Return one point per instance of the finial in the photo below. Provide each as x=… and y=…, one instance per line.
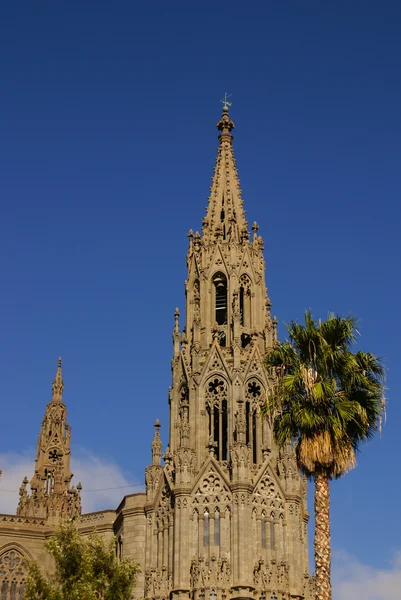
x=58, y=383
x=157, y=424
x=225, y=125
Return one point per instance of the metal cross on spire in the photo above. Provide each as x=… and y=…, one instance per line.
x=225, y=101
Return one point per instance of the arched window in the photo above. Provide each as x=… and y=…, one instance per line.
x=217, y=527
x=220, y=286
x=12, y=571
x=216, y=407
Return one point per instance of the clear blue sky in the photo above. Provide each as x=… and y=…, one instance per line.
x=107, y=147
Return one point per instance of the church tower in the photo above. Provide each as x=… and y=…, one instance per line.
x=51, y=495
x=226, y=514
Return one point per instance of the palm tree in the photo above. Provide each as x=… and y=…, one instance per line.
x=325, y=401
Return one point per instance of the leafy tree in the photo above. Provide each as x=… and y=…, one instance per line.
x=86, y=568
x=325, y=401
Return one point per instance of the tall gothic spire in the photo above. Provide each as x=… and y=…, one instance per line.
x=51, y=495
x=225, y=216
x=226, y=514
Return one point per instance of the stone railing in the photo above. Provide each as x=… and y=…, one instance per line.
x=17, y=520
x=92, y=517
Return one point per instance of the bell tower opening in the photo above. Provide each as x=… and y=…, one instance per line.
x=220, y=286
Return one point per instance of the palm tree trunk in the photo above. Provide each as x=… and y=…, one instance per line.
x=322, y=537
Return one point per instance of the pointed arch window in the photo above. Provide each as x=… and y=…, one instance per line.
x=13, y=573
x=217, y=411
x=220, y=287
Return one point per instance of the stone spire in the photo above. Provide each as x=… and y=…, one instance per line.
x=224, y=517
x=225, y=216
x=51, y=495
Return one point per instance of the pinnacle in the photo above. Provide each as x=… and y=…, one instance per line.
x=58, y=383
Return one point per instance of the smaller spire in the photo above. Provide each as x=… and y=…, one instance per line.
x=156, y=445
x=58, y=383
x=176, y=333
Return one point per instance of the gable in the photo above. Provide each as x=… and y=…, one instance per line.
x=211, y=486
x=268, y=493
x=215, y=363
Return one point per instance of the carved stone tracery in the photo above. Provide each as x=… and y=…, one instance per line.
x=13, y=568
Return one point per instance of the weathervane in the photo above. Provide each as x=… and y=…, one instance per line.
x=225, y=101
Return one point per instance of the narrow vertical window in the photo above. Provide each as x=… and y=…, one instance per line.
x=241, y=304
x=120, y=547
x=13, y=594
x=247, y=413
x=210, y=420
x=272, y=536
x=220, y=283
x=254, y=440
x=224, y=418
x=4, y=590
x=216, y=427
x=217, y=528
x=247, y=308
x=206, y=528
x=263, y=532
x=21, y=590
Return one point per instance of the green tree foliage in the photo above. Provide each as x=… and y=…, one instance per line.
x=326, y=400
x=86, y=568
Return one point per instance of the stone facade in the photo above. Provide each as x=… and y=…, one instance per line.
x=224, y=515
